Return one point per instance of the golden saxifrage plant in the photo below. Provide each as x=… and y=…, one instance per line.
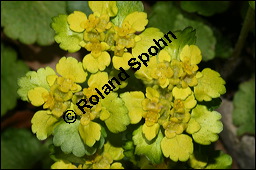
x=135, y=107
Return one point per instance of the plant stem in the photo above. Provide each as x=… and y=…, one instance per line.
x=231, y=64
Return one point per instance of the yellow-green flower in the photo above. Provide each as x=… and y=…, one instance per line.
x=61, y=89
x=184, y=101
x=94, y=64
x=152, y=107
x=125, y=37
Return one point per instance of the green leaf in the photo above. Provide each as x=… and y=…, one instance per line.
x=205, y=39
x=204, y=8
x=34, y=79
x=125, y=8
x=68, y=39
x=115, y=152
x=118, y=119
x=219, y=160
x=210, y=85
x=199, y=158
x=57, y=155
x=177, y=148
x=252, y=4
x=11, y=69
x=152, y=149
x=78, y=6
x=210, y=125
x=184, y=37
x=67, y=137
x=244, y=108
x=159, y=13
x=29, y=21
x=43, y=123
x=20, y=149
x=204, y=35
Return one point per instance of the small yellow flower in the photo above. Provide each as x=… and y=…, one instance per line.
x=93, y=64
x=122, y=61
x=75, y=21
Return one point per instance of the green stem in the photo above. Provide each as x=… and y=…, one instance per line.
x=234, y=60
x=244, y=32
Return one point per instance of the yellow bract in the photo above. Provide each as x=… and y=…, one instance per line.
x=137, y=20
x=103, y=7
x=93, y=64
x=36, y=96
x=192, y=52
x=71, y=68
x=122, y=61
x=75, y=19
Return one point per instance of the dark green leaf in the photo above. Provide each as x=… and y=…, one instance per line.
x=78, y=6
x=211, y=105
x=204, y=34
x=29, y=21
x=57, y=154
x=219, y=160
x=206, y=8
x=11, y=70
x=158, y=18
x=20, y=149
x=244, y=108
x=186, y=36
x=176, y=20
x=252, y=4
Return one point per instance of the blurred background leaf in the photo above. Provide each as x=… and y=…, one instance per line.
x=205, y=8
x=78, y=6
x=21, y=150
x=244, y=108
x=11, y=70
x=178, y=21
x=29, y=21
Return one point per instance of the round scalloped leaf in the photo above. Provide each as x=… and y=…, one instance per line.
x=29, y=21
x=210, y=125
x=244, y=108
x=178, y=148
x=43, y=123
x=11, y=70
x=66, y=135
x=68, y=39
x=34, y=79
x=210, y=85
x=152, y=149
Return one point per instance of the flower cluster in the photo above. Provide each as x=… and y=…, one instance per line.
x=166, y=116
